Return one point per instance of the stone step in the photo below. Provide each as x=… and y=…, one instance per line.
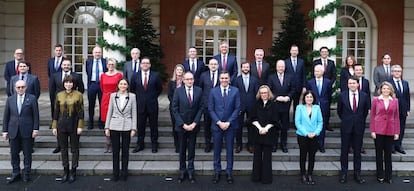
x=170, y=168
x=92, y=154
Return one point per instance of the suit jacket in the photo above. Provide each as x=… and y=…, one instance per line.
x=365, y=87
x=9, y=72
x=305, y=124
x=122, y=117
x=384, y=121
x=200, y=69
x=299, y=75
x=32, y=84
x=89, y=65
x=224, y=111
x=353, y=122
x=147, y=99
x=323, y=99
x=206, y=85
x=51, y=66
x=264, y=114
x=128, y=70
x=380, y=76
x=184, y=112
x=172, y=86
x=343, y=79
x=265, y=72
x=403, y=97
x=57, y=83
x=247, y=98
x=26, y=121
x=286, y=90
x=231, y=65
x=330, y=72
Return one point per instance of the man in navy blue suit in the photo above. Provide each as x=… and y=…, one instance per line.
x=20, y=126
x=260, y=68
x=296, y=67
x=54, y=66
x=402, y=91
x=32, y=81
x=224, y=107
x=147, y=85
x=94, y=68
x=353, y=106
x=282, y=86
x=322, y=88
x=208, y=80
x=248, y=86
x=328, y=64
x=10, y=69
x=227, y=61
x=194, y=65
x=187, y=107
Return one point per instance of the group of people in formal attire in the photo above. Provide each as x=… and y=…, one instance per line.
x=257, y=99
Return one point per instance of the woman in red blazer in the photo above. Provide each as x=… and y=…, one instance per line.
x=385, y=127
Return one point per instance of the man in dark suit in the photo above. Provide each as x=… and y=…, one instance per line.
x=194, y=65
x=32, y=81
x=248, y=86
x=282, y=86
x=322, y=88
x=296, y=67
x=133, y=66
x=224, y=107
x=11, y=69
x=187, y=108
x=54, y=66
x=94, y=68
x=260, y=68
x=353, y=106
x=402, y=92
x=208, y=80
x=147, y=85
x=227, y=61
x=328, y=64
x=57, y=85
x=20, y=126
x=382, y=72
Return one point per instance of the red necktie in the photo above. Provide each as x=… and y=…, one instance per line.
x=17, y=69
x=145, y=81
x=354, y=104
x=259, y=69
x=224, y=64
x=325, y=65
x=189, y=97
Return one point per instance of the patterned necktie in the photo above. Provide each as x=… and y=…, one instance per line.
x=259, y=69
x=325, y=65
x=224, y=63
x=145, y=80
x=319, y=86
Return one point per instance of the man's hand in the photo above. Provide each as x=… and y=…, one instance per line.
x=79, y=131
x=34, y=134
x=6, y=136
x=54, y=132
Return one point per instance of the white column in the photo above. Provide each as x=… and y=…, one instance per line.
x=114, y=38
x=322, y=24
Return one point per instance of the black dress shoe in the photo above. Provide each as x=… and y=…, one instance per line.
x=274, y=149
x=229, y=179
x=13, y=178
x=380, y=180
x=115, y=178
x=304, y=179
x=207, y=149
x=322, y=150
x=57, y=149
x=238, y=149
x=284, y=149
x=26, y=178
x=342, y=178
x=154, y=150
x=191, y=178
x=137, y=149
x=359, y=180
x=388, y=181
x=400, y=150
x=311, y=181
x=393, y=151
x=90, y=126
x=250, y=149
x=216, y=178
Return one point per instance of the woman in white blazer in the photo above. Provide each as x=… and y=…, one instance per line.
x=308, y=121
x=121, y=123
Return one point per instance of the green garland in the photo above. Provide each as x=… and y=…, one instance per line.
x=103, y=43
x=332, y=32
x=329, y=8
x=332, y=51
x=111, y=9
x=104, y=26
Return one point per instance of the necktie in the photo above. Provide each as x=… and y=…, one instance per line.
x=212, y=79
x=319, y=86
x=190, y=101
x=325, y=65
x=135, y=66
x=281, y=79
x=56, y=64
x=399, y=86
x=19, y=103
x=354, y=104
x=96, y=71
x=22, y=77
x=193, y=67
x=224, y=63
x=17, y=69
x=259, y=69
x=224, y=96
x=145, y=80
x=246, y=83
x=388, y=71
x=294, y=65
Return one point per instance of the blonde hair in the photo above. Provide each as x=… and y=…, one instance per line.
x=392, y=92
x=174, y=75
x=268, y=90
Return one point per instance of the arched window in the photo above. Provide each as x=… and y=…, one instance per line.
x=213, y=23
x=355, y=35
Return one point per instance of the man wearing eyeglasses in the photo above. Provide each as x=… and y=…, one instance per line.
x=20, y=126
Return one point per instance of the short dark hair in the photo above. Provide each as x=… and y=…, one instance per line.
x=68, y=78
x=23, y=62
x=313, y=95
x=323, y=47
x=58, y=45
x=353, y=78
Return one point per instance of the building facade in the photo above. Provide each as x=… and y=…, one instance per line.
x=370, y=29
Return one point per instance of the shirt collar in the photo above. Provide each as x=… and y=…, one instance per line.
x=382, y=97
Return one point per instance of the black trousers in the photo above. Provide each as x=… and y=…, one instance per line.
x=307, y=149
x=383, y=149
x=153, y=123
x=174, y=133
x=207, y=128
x=120, y=140
x=16, y=145
x=74, y=148
x=282, y=131
x=94, y=90
x=262, y=163
x=348, y=140
x=398, y=143
x=187, y=141
x=239, y=131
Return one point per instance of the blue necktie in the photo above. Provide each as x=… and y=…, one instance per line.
x=97, y=71
x=319, y=87
x=193, y=67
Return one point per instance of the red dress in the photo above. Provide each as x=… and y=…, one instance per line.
x=108, y=85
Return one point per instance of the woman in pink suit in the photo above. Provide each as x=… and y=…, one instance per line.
x=109, y=81
x=385, y=128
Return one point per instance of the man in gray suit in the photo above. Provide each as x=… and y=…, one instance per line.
x=32, y=82
x=20, y=126
x=259, y=68
x=382, y=72
x=131, y=67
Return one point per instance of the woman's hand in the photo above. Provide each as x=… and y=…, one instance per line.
x=396, y=136
x=107, y=133
x=79, y=131
x=133, y=132
x=54, y=132
x=373, y=135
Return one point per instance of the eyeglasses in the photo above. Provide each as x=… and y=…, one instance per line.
x=20, y=87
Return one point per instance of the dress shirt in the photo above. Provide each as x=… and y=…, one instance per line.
x=143, y=76
x=94, y=77
x=398, y=84
x=351, y=98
